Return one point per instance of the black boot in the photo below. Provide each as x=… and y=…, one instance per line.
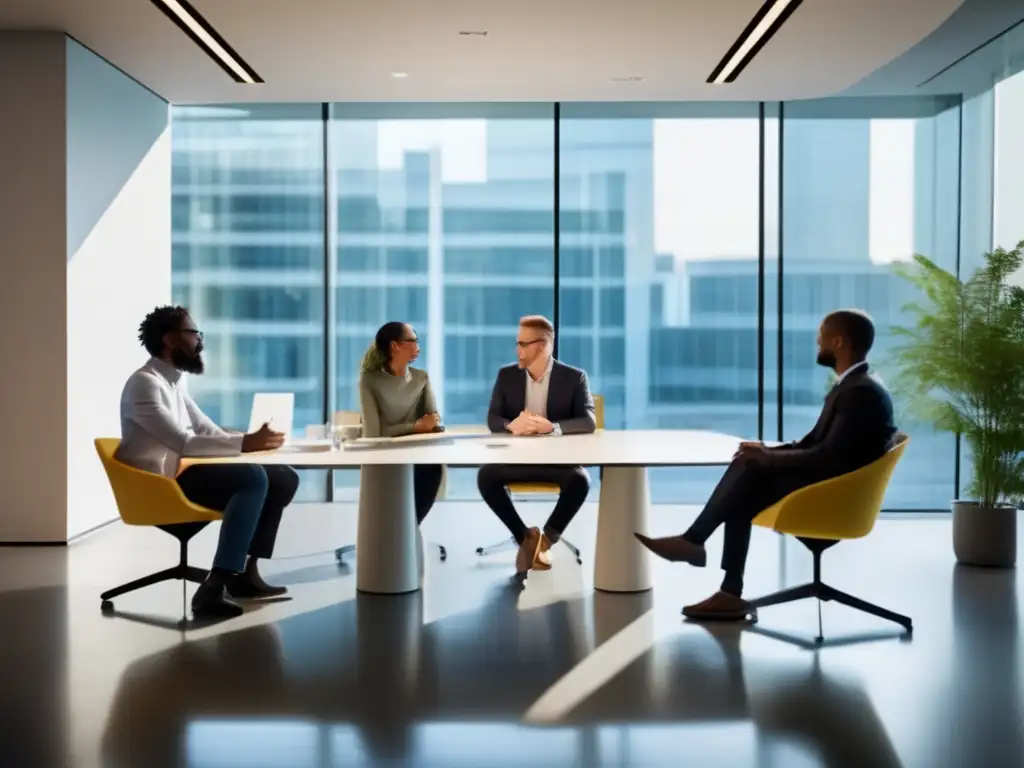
x=249, y=585
x=211, y=601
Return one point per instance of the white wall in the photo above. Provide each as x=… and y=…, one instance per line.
x=33, y=471
x=85, y=249
x=118, y=258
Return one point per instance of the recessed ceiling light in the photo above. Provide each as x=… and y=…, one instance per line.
x=629, y=79
x=206, y=37
x=399, y=75
x=766, y=22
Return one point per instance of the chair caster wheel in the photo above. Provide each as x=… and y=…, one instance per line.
x=480, y=550
x=444, y=554
x=107, y=606
x=579, y=561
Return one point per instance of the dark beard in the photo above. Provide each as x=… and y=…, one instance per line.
x=188, y=363
x=827, y=360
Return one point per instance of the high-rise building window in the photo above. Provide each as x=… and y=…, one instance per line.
x=866, y=185
x=445, y=220
x=443, y=216
x=659, y=228
x=248, y=255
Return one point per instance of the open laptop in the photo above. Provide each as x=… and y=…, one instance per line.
x=274, y=408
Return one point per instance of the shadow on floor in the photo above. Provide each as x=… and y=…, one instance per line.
x=382, y=683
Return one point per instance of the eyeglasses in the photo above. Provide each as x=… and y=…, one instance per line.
x=194, y=332
x=526, y=344
x=413, y=340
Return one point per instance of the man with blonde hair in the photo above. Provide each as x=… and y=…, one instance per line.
x=538, y=396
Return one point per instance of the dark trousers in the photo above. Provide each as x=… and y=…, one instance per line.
x=426, y=480
x=744, y=491
x=252, y=499
x=573, y=483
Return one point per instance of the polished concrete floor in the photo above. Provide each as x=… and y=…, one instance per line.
x=475, y=672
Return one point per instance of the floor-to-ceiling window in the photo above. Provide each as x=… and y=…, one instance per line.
x=443, y=218
x=866, y=185
x=248, y=255
x=675, y=223
x=659, y=249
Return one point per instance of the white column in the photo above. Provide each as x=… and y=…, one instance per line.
x=86, y=243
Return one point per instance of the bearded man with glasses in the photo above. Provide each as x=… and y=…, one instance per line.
x=161, y=425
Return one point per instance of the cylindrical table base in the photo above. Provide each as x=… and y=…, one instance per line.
x=621, y=564
x=387, y=552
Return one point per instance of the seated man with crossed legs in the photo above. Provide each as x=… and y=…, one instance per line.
x=854, y=429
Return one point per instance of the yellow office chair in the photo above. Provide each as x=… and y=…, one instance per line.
x=528, y=488
x=823, y=514
x=146, y=498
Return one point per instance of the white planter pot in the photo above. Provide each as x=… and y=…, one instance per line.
x=985, y=536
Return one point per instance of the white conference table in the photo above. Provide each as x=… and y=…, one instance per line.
x=387, y=542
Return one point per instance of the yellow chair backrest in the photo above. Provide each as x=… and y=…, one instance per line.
x=146, y=498
x=843, y=507
x=599, y=411
x=519, y=487
x=551, y=487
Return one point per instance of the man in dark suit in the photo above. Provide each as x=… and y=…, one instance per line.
x=539, y=396
x=853, y=430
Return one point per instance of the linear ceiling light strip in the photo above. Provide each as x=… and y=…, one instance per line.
x=207, y=38
x=766, y=22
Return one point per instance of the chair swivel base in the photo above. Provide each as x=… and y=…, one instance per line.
x=826, y=593
x=511, y=543
x=180, y=572
x=183, y=532
x=348, y=549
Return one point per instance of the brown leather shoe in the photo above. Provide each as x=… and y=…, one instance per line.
x=542, y=560
x=528, y=550
x=675, y=548
x=721, y=606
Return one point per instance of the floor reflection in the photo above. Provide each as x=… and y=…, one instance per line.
x=366, y=682
x=475, y=672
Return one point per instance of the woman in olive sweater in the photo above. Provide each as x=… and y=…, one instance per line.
x=396, y=399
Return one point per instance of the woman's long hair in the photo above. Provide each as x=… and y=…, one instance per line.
x=378, y=354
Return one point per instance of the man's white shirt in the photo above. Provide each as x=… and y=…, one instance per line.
x=161, y=424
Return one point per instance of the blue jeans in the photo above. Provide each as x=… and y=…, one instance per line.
x=237, y=490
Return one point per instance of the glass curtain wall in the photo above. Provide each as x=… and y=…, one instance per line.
x=248, y=256
x=684, y=234
x=443, y=218
x=659, y=257
x=867, y=183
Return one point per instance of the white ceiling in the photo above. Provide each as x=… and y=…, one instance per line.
x=535, y=50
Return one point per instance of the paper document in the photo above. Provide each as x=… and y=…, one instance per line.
x=274, y=408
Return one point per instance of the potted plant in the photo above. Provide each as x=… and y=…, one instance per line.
x=959, y=366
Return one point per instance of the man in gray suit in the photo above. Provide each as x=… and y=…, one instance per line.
x=539, y=396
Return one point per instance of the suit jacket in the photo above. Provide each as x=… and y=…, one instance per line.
x=570, y=404
x=854, y=429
